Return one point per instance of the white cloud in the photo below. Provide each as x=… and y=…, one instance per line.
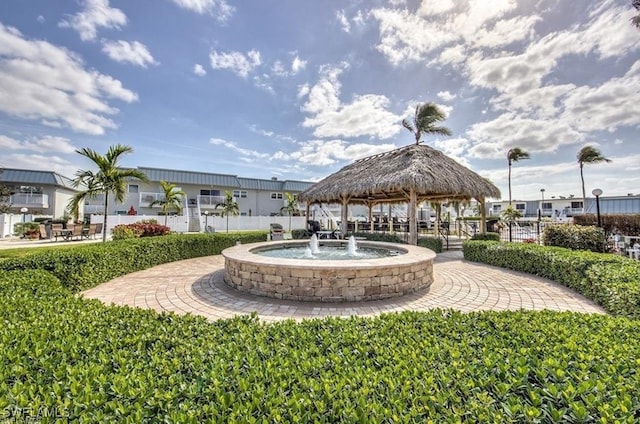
x=365, y=115
x=323, y=153
x=40, y=162
x=236, y=62
x=446, y=96
x=298, y=65
x=242, y=151
x=44, y=144
x=343, y=20
x=40, y=19
x=135, y=52
x=199, y=70
x=40, y=81
x=95, y=14
x=218, y=8
x=303, y=90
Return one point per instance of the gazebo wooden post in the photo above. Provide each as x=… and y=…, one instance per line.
x=413, y=230
x=345, y=216
x=307, y=211
x=483, y=215
x=390, y=219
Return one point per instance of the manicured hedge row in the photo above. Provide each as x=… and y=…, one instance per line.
x=610, y=280
x=433, y=243
x=576, y=237
x=86, y=266
x=88, y=362
x=486, y=236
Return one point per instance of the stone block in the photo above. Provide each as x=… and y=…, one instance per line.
x=273, y=279
x=302, y=291
x=302, y=273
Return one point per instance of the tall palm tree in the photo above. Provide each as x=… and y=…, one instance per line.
x=424, y=121
x=108, y=179
x=515, y=155
x=290, y=207
x=172, y=199
x=228, y=207
x=588, y=154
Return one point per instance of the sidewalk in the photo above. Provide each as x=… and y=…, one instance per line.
x=15, y=242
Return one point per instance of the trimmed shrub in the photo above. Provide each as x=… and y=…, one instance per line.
x=89, y=362
x=610, y=280
x=86, y=266
x=486, y=236
x=576, y=237
x=385, y=237
x=299, y=233
x=139, y=229
x=433, y=243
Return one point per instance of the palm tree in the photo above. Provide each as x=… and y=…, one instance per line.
x=588, y=154
x=424, y=120
x=290, y=207
x=109, y=179
x=636, y=19
x=229, y=207
x=172, y=199
x=514, y=155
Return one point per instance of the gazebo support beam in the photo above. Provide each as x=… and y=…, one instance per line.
x=483, y=215
x=345, y=216
x=413, y=230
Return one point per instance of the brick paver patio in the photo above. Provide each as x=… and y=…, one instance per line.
x=196, y=286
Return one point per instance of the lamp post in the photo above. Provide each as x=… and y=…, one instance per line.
x=206, y=221
x=24, y=211
x=542, y=203
x=597, y=192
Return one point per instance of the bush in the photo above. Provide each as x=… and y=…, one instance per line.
x=386, y=237
x=611, y=281
x=486, y=236
x=433, y=243
x=146, y=228
x=576, y=237
x=94, y=363
x=299, y=233
x=89, y=265
x=612, y=223
x=26, y=229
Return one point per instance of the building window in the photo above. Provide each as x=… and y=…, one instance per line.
x=520, y=206
x=209, y=192
x=497, y=208
x=240, y=193
x=547, y=206
x=576, y=205
x=276, y=195
x=133, y=188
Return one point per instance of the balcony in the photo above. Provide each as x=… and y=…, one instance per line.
x=28, y=200
x=210, y=202
x=93, y=209
x=146, y=198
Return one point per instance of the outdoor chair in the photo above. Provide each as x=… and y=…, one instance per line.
x=43, y=232
x=277, y=232
x=56, y=231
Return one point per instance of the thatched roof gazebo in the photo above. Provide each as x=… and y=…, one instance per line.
x=410, y=174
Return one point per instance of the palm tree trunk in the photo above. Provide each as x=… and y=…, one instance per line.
x=509, y=183
x=584, y=194
x=227, y=223
x=104, y=220
x=289, y=221
x=165, y=218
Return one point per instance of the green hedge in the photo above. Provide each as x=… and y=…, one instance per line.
x=89, y=265
x=433, y=243
x=610, y=280
x=576, y=237
x=486, y=236
x=87, y=362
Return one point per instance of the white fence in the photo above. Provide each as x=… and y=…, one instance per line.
x=180, y=224
x=7, y=221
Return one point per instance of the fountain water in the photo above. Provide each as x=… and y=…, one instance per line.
x=313, y=245
x=308, y=253
x=352, y=246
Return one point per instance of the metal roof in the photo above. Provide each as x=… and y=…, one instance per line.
x=296, y=185
x=190, y=177
x=26, y=176
x=258, y=184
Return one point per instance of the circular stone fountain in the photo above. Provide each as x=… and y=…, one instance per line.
x=401, y=270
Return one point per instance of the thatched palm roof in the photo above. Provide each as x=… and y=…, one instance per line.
x=389, y=177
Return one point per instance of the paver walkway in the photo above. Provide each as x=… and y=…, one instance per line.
x=196, y=286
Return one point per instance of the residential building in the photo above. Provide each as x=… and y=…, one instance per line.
x=40, y=192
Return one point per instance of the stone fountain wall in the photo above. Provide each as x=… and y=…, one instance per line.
x=330, y=281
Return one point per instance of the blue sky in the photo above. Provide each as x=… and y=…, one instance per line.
x=297, y=89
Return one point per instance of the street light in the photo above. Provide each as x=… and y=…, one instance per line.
x=24, y=211
x=597, y=192
x=206, y=221
x=542, y=203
